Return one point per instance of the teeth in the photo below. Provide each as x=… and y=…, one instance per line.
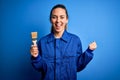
x=58, y=24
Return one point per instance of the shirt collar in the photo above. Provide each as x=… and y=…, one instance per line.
x=50, y=37
x=65, y=37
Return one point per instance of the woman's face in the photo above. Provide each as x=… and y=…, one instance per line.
x=59, y=20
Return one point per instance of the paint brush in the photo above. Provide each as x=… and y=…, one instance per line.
x=34, y=38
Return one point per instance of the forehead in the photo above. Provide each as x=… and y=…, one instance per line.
x=59, y=11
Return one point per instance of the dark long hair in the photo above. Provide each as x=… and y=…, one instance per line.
x=58, y=6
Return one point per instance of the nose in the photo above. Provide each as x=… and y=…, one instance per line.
x=58, y=20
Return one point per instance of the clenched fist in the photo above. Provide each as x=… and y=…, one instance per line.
x=34, y=51
x=92, y=46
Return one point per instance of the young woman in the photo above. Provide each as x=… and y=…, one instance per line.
x=58, y=55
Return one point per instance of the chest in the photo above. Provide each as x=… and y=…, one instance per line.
x=59, y=49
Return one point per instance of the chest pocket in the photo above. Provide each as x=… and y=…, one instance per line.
x=70, y=54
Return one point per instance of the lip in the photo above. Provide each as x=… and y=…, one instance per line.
x=57, y=27
x=58, y=24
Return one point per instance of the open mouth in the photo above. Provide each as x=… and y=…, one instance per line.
x=58, y=24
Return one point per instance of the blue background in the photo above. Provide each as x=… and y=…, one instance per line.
x=91, y=20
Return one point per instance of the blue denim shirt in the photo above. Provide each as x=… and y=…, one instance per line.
x=61, y=59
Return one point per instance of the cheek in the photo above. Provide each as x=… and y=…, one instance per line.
x=52, y=21
x=65, y=21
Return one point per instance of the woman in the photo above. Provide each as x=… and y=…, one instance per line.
x=59, y=55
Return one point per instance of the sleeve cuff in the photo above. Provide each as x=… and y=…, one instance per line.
x=89, y=50
x=35, y=58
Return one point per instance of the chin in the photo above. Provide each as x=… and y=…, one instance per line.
x=58, y=31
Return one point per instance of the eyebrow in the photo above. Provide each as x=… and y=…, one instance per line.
x=56, y=15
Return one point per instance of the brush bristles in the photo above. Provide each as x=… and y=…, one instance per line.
x=34, y=35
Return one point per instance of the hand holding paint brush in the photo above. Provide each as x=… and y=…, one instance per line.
x=34, y=49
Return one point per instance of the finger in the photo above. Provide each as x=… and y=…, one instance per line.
x=93, y=45
x=34, y=51
x=93, y=42
x=33, y=45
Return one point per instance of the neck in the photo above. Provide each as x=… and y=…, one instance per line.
x=58, y=34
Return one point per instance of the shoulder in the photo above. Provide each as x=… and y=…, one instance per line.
x=45, y=38
x=74, y=36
